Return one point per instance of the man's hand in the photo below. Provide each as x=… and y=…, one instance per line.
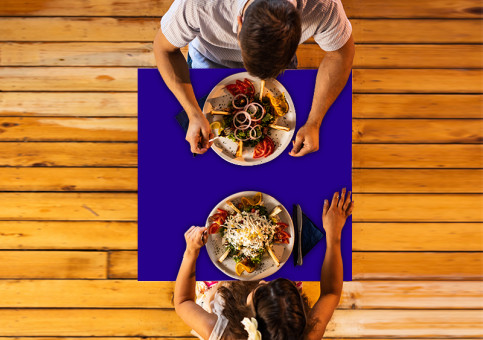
x=306, y=141
x=335, y=214
x=195, y=239
x=199, y=133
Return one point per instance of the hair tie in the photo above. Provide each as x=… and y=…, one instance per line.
x=251, y=326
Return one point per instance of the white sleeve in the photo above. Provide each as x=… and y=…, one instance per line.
x=180, y=25
x=335, y=29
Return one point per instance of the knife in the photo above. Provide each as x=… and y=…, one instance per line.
x=299, y=231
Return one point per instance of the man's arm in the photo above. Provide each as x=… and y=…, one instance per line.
x=173, y=68
x=331, y=277
x=184, y=291
x=332, y=75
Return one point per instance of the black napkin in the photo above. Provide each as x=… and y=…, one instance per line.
x=311, y=235
x=182, y=117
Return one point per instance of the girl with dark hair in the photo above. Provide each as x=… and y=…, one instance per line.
x=263, y=310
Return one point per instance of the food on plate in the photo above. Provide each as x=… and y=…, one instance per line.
x=249, y=117
x=248, y=231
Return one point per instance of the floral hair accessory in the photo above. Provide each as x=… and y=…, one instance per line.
x=251, y=326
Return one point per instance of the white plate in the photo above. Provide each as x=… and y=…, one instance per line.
x=267, y=267
x=219, y=98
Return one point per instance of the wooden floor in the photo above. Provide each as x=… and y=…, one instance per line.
x=68, y=177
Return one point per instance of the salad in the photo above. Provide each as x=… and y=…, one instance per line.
x=249, y=118
x=248, y=231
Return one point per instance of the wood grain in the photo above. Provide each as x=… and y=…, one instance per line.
x=417, y=81
x=52, y=265
x=309, y=55
x=417, y=106
x=417, y=181
x=148, y=322
x=134, y=294
x=68, y=129
x=68, y=104
x=125, y=79
x=398, y=56
x=418, y=265
x=68, y=206
x=353, y=8
x=67, y=79
x=417, y=237
x=68, y=179
x=417, y=156
x=454, y=131
x=365, y=265
x=62, y=235
x=69, y=154
x=418, y=208
x=109, y=29
x=125, y=104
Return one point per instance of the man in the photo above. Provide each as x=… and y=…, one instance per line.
x=261, y=36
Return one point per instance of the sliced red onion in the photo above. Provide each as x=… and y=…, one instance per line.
x=255, y=110
x=235, y=98
x=253, y=132
x=242, y=124
x=238, y=138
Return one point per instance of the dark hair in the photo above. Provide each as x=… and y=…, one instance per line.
x=269, y=37
x=280, y=310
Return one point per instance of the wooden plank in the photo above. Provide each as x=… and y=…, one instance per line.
x=417, y=181
x=417, y=81
x=353, y=8
x=52, y=265
x=418, y=208
x=67, y=235
x=68, y=104
x=77, y=54
x=416, y=266
x=68, y=179
x=417, y=237
x=67, y=79
x=366, y=266
x=397, y=56
x=417, y=156
x=122, y=207
x=125, y=130
x=417, y=131
x=414, y=31
x=79, y=29
x=378, y=31
x=68, y=129
x=148, y=322
x=135, y=294
x=123, y=265
x=69, y=154
x=125, y=104
x=417, y=106
x=309, y=55
x=68, y=206
x=125, y=79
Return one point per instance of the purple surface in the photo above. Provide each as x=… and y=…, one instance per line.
x=177, y=190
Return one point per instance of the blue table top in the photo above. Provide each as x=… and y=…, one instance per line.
x=177, y=190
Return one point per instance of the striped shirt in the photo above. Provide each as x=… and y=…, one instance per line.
x=210, y=28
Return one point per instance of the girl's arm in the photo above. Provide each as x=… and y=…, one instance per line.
x=184, y=291
x=331, y=277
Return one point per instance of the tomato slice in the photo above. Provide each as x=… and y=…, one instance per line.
x=260, y=149
x=283, y=234
x=251, y=88
x=232, y=88
x=213, y=228
x=223, y=213
x=270, y=146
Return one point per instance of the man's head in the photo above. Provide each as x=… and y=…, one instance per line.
x=269, y=36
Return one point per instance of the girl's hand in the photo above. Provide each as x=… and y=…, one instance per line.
x=195, y=239
x=335, y=214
